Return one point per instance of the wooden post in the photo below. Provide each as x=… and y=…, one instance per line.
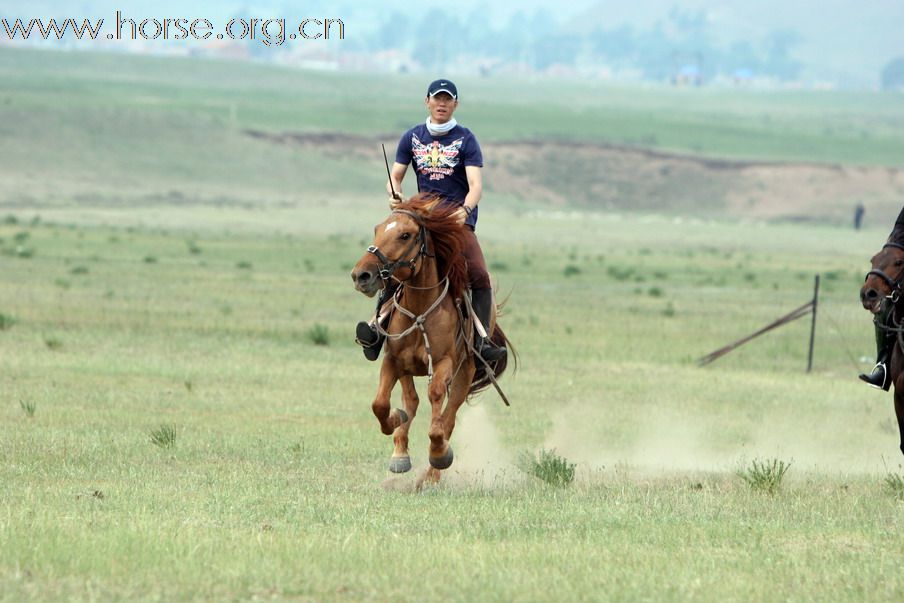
x=813, y=323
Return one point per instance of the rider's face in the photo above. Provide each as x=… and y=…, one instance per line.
x=441, y=106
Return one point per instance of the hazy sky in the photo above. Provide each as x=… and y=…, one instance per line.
x=850, y=40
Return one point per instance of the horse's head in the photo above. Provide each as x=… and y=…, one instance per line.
x=884, y=278
x=399, y=241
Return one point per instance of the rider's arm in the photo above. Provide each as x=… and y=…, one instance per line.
x=475, y=186
x=396, y=177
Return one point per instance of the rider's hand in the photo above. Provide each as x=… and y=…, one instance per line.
x=395, y=200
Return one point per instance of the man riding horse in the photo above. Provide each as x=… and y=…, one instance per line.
x=447, y=161
x=885, y=337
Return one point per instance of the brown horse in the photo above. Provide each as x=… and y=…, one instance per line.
x=882, y=295
x=429, y=332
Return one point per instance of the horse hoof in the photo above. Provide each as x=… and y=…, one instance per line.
x=443, y=462
x=400, y=464
x=403, y=417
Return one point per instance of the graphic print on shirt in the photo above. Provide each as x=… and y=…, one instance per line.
x=433, y=159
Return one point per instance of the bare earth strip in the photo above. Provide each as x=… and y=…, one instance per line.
x=629, y=178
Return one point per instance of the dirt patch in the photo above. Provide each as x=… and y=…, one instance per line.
x=626, y=178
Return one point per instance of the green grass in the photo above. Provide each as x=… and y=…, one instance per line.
x=276, y=486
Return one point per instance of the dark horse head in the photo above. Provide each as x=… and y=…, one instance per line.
x=884, y=280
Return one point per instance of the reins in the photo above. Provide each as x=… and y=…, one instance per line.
x=417, y=322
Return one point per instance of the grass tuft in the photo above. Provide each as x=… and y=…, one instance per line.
x=6, y=322
x=894, y=485
x=319, y=335
x=571, y=270
x=164, y=436
x=29, y=407
x=764, y=476
x=549, y=467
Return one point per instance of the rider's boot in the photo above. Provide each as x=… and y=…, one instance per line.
x=366, y=334
x=482, y=300
x=367, y=337
x=885, y=341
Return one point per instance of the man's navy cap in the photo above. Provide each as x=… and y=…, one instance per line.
x=442, y=86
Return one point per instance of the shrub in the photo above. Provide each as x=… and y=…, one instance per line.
x=6, y=321
x=163, y=436
x=571, y=270
x=894, y=484
x=765, y=476
x=29, y=407
x=319, y=335
x=548, y=467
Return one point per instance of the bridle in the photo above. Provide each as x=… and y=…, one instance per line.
x=388, y=268
x=894, y=285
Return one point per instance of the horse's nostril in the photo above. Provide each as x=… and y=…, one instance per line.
x=872, y=294
x=365, y=277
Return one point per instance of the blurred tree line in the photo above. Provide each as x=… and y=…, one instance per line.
x=537, y=41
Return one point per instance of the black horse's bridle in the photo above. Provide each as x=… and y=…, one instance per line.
x=893, y=284
x=387, y=268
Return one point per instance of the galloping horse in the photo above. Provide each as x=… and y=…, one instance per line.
x=430, y=331
x=884, y=285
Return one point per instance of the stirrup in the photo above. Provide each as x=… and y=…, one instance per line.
x=490, y=352
x=878, y=378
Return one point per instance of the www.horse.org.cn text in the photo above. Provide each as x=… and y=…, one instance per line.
x=269, y=32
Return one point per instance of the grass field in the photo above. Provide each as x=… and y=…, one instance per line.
x=127, y=311
x=275, y=484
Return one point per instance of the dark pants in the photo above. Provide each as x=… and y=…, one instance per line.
x=477, y=266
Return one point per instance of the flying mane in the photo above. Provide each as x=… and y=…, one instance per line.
x=447, y=238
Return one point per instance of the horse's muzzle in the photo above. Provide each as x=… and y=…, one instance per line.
x=870, y=298
x=366, y=280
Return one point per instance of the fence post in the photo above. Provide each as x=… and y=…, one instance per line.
x=813, y=323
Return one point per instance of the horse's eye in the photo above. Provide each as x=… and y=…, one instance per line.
x=405, y=236
x=899, y=262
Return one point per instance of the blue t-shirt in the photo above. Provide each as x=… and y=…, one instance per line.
x=439, y=162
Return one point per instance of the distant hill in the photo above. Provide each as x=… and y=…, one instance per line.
x=98, y=130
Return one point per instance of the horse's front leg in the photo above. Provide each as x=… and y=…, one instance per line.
x=401, y=461
x=440, y=451
x=458, y=393
x=389, y=421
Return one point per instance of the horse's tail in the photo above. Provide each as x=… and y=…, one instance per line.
x=481, y=380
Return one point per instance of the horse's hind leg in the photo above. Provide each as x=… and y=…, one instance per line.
x=401, y=461
x=389, y=421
